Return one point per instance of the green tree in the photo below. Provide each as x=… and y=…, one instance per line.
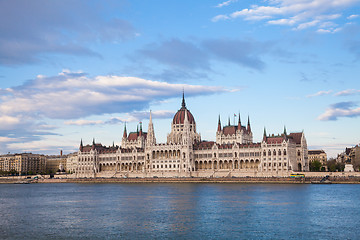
x=315, y=166
x=331, y=164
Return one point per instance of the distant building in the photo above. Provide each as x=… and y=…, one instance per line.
x=355, y=156
x=23, y=163
x=318, y=155
x=55, y=162
x=350, y=156
x=71, y=162
x=185, y=154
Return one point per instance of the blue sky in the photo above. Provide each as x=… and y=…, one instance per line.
x=72, y=70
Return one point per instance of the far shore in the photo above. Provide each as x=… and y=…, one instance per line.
x=254, y=180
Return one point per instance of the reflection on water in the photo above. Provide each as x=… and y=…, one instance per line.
x=179, y=211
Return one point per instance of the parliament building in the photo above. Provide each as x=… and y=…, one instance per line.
x=233, y=154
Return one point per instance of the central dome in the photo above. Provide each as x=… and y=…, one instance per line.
x=179, y=117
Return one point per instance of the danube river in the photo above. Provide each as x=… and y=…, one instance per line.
x=179, y=211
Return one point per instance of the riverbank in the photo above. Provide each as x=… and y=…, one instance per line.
x=272, y=180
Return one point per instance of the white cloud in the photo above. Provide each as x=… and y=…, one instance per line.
x=130, y=117
x=70, y=96
x=301, y=14
x=352, y=16
x=226, y=3
x=320, y=93
x=7, y=139
x=219, y=17
x=342, y=109
x=347, y=92
x=334, y=113
x=83, y=122
x=7, y=122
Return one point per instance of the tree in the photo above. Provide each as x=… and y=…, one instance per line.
x=315, y=166
x=331, y=164
x=334, y=166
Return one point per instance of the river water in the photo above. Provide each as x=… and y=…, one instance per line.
x=179, y=211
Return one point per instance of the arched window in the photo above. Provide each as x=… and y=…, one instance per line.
x=264, y=153
x=269, y=153
x=279, y=152
x=284, y=152
x=274, y=153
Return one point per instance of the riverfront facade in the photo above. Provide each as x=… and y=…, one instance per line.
x=185, y=155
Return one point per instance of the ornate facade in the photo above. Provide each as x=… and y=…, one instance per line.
x=185, y=155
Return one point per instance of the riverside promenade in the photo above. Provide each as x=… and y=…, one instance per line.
x=335, y=178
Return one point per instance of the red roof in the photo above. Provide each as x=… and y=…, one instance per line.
x=274, y=140
x=230, y=130
x=134, y=135
x=296, y=137
x=179, y=117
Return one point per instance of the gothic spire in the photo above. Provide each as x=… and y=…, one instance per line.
x=264, y=137
x=150, y=120
x=248, y=125
x=219, y=125
x=150, y=138
x=239, y=123
x=229, y=122
x=285, y=131
x=125, y=132
x=140, y=129
x=81, y=145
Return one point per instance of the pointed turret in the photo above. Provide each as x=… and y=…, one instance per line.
x=150, y=138
x=137, y=130
x=125, y=132
x=264, y=137
x=285, y=134
x=140, y=133
x=248, y=125
x=219, y=125
x=81, y=146
x=113, y=144
x=239, y=123
x=229, y=122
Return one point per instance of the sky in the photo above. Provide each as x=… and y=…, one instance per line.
x=72, y=70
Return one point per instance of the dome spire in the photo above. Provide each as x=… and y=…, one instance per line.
x=183, y=105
